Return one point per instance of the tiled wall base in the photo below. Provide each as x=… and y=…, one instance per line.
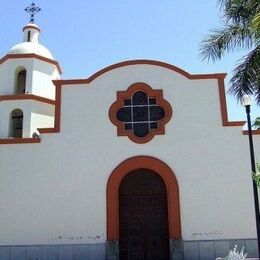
x=54, y=252
x=210, y=249
x=180, y=250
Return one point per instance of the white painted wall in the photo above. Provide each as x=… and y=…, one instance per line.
x=8, y=72
x=39, y=77
x=34, y=35
x=56, y=189
x=42, y=77
x=42, y=116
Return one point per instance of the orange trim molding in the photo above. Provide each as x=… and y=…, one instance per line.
x=172, y=188
x=60, y=83
x=27, y=96
x=57, y=108
x=160, y=101
x=223, y=106
x=254, y=132
x=46, y=130
x=141, y=62
x=19, y=140
x=219, y=76
x=31, y=55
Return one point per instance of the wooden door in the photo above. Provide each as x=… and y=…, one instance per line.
x=143, y=217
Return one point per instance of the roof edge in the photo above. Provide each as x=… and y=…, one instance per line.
x=31, y=55
x=141, y=62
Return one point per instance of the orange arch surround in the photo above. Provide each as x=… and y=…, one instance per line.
x=172, y=188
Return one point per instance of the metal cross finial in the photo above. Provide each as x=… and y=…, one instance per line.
x=32, y=9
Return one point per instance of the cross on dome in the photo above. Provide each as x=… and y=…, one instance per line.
x=32, y=9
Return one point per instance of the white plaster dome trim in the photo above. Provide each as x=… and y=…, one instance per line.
x=31, y=47
x=32, y=26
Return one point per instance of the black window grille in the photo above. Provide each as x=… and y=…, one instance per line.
x=18, y=122
x=140, y=114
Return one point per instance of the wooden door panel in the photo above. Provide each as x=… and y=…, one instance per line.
x=143, y=217
x=156, y=226
x=143, y=227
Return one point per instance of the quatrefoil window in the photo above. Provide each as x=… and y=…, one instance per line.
x=140, y=113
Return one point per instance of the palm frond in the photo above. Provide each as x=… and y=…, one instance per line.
x=256, y=123
x=256, y=26
x=239, y=12
x=257, y=92
x=228, y=39
x=246, y=76
x=241, y=31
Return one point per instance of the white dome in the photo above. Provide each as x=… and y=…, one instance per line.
x=31, y=47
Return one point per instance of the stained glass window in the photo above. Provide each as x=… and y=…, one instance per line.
x=139, y=112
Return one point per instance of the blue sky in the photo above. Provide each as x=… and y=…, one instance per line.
x=87, y=35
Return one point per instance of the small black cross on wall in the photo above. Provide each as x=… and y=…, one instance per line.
x=32, y=10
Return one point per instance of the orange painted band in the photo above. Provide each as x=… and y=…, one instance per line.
x=141, y=62
x=46, y=130
x=27, y=96
x=254, y=132
x=223, y=106
x=31, y=55
x=19, y=140
x=57, y=108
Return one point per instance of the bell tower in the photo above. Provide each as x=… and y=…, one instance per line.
x=27, y=93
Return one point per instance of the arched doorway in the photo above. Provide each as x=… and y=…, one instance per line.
x=143, y=217
x=113, y=194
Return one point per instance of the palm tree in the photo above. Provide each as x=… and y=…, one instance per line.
x=256, y=123
x=241, y=31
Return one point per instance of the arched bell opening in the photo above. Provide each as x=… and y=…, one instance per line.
x=16, y=124
x=20, y=82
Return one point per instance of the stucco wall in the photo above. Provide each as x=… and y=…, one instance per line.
x=8, y=72
x=42, y=116
x=39, y=76
x=43, y=75
x=55, y=192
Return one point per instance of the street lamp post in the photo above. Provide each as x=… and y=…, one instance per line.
x=246, y=102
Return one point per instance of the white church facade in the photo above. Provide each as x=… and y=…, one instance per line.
x=138, y=161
